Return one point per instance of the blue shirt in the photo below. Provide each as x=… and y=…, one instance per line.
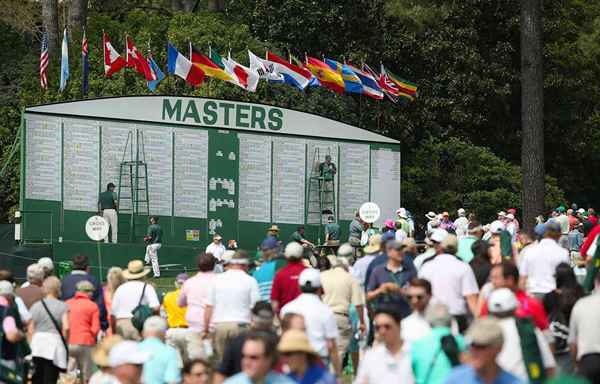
x=264, y=276
x=163, y=365
x=465, y=374
x=381, y=274
x=272, y=378
x=313, y=375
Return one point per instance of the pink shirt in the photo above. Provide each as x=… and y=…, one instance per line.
x=8, y=325
x=195, y=295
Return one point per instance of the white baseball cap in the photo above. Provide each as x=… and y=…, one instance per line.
x=510, y=216
x=6, y=288
x=310, y=276
x=438, y=235
x=294, y=250
x=581, y=210
x=402, y=213
x=127, y=352
x=345, y=250
x=461, y=211
x=497, y=226
x=501, y=213
x=502, y=300
x=46, y=263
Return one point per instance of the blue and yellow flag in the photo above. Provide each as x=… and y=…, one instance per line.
x=352, y=83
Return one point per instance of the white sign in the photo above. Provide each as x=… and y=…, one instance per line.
x=96, y=227
x=369, y=212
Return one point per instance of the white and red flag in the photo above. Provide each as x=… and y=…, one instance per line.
x=113, y=62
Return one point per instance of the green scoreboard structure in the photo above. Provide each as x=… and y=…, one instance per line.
x=213, y=166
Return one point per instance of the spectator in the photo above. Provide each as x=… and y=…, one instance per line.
x=302, y=360
x=128, y=296
x=32, y=293
x=262, y=320
x=163, y=364
x=388, y=361
x=538, y=266
x=461, y=224
x=114, y=278
x=481, y=263
x=216, y=248
x=292, y=321
x=525, y=352
x=197, y=372
x=446, y=223
x=259, y=357
x=506, y=275
x=100, y=357
x=49, y=324
x=126, y=360
x=230, y=301
x=453, y=282
x=373, y=249
x=321, y=327
x=195, y=295
x=10, y=353
x=178, y=327
x=21, y=310
x=465, y=244
x=415, y=326
x=47, y=265
x=386, y=281
x=84, y=325
x=434, y=247
x=271, y=264
x=434, y=355
x=81, y=271
x=485, y=343
x=285, y=284
x=584, y=334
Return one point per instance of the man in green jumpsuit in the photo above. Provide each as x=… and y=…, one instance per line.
x=107, y=208
x=154, y=240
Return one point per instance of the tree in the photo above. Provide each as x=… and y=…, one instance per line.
x=78, y=15
x=532, y=111
x=216, y=5
x=50, y=22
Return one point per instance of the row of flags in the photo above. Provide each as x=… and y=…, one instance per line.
x=195, y=67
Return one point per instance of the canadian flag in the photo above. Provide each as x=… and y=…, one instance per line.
x=243, y=76
x=113, y=62
x=136, y=60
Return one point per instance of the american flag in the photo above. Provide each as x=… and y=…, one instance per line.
x=44, y=61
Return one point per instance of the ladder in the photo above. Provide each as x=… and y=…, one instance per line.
x=323, y=202
x=133, y=195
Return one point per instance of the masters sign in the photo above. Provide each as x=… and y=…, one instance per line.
x=222, y=113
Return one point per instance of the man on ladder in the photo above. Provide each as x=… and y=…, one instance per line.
x=327, y=169
x=107, y=208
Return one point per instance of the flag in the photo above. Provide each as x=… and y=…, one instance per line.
x=158, y=75
x=135, y=59
x=387, y=86
x=314, y=82
x=180, y=65
x=243, y=76
x=207, y=65
x=352, y=83
x=64, y=62
x=113, y=62
x=44, y=61
x=328, y=77
x=85, y=71
x=264, y=68
x=292, y=74
x=216, y=58
x=405, y=88
x=370, y=87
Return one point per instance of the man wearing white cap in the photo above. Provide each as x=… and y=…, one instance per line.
x=461, y=223
x=126, y=361
x=321, y=327
x=434, y=240
x=433, y=221
x=216, y=248
x=230, y=301
x=525, y=353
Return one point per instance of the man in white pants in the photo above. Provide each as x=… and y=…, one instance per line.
x=107, y=207
x=154, y=240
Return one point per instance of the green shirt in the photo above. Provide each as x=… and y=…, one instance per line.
x=327, y=171
x=464, y=248
x=107, y=200
x=297, y=237
x=333, y=229
x=155, y=233
x=427, y=355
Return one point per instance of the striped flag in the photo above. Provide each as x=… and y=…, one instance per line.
x=85, y=64
x=44, y=61
x=64, y=62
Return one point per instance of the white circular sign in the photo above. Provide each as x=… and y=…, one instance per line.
x=369, y=212
x=96, y=227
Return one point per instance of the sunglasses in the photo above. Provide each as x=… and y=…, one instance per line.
x=252, y=357
x=416, y=297
x=385, y=327
x=478, y=346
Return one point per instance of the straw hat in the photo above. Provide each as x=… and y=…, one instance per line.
x=135, y=270
x=374, y=245
x=273, y=228
x=100, y=353
x=295, y=340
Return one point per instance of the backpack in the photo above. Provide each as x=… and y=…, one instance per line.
x=141, y=313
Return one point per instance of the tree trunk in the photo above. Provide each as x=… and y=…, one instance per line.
x=216, y=5
x=50, y=22
x=183, y=5
x=532, y=112
x=78, y=16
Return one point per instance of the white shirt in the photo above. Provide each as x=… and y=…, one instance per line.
x=359, y=269
x=583, y=329
x=127, y=298
x=232, y=296
x=379, y=366
x=22, y=308
x=400, y=235
x=217, y=250
x=451, y=280
x=414, y=327
x=318, y=318
x=511, y=356
x=462, y=225
x=539, y=265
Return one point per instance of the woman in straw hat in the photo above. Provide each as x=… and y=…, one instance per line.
x=302, y=360
x=100, y=358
